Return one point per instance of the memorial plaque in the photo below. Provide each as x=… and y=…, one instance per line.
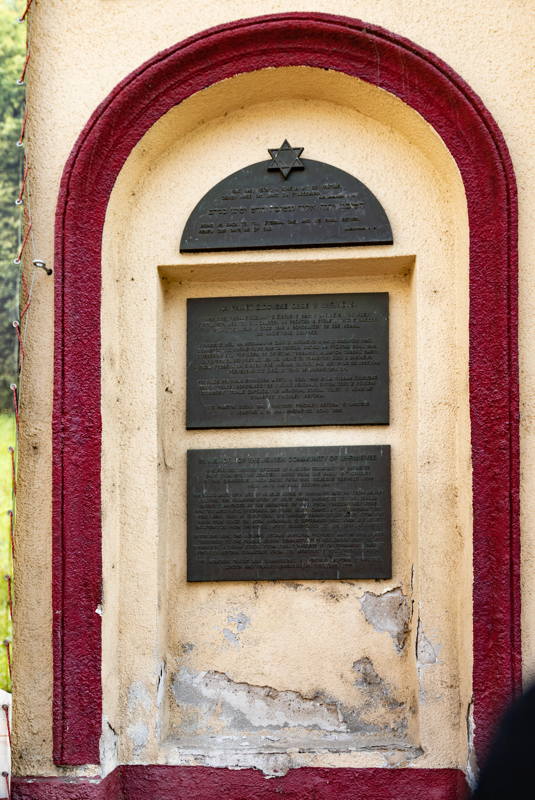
x=290, y=513
x=286, y=202
x=318, y=359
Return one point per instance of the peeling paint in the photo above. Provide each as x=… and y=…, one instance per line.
x=272, y=765
x=251, y=706
x=230, y=637
x=426, y=656
x=389, y=612
x=426, y=653
x=471, y=761
x=241, y=621
x=221, y=720
x=378, y=691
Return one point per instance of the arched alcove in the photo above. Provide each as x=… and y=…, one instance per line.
x=146, y=283
x=178, y=140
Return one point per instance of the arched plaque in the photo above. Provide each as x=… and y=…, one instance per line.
x=286, y=202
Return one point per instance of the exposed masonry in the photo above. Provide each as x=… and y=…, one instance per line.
x=226, y=723
x=389, y=612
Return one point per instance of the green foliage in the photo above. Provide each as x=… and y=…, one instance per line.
x=12, y=46
x=12, y=49
x=7, y=439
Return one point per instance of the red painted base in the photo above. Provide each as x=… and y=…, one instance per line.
x=203, y=783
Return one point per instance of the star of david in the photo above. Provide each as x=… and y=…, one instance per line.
x=286, y=158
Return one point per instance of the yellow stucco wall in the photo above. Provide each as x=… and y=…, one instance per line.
x=80, y=50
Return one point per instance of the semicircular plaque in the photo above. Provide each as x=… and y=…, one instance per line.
x=286, y=202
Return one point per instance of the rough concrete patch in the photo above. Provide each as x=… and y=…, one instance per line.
x=390, y=613
x=223, y=723
x=247, y=707
x=214, y=708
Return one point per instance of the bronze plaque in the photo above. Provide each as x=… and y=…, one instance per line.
x=286, y=202
x=289, y=513
x=318, y=359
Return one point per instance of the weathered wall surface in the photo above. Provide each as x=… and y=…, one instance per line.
x=253, y=670
x=79, y=52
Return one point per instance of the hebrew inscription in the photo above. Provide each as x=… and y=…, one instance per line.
x=292, y=513
x=289, y=206
x=256, y=208
x=287, y=360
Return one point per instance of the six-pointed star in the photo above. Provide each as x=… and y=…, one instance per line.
x=286, y=158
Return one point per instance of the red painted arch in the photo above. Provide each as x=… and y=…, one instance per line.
x=422, y=81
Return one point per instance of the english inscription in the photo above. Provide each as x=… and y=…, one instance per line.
x=292, y=513
x=287, y=360
x=285, y=206
x=256, y=208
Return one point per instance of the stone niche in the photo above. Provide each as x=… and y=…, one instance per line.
x=279, y=674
